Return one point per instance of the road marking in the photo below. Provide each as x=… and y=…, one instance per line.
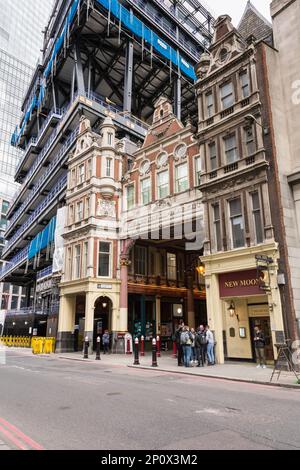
x=12, y=438
x=11, y=429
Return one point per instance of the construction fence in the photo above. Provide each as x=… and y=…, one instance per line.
x=38, y=345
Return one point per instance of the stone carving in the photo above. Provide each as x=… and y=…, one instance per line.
x=106, y=208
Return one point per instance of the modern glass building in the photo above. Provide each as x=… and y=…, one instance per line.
x=21, y=38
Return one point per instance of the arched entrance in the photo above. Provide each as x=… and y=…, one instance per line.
x=102, y=318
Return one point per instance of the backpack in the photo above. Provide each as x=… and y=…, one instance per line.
x=202, y=339
x=186, y=338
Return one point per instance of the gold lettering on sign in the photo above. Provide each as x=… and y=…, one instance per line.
x=241, y=283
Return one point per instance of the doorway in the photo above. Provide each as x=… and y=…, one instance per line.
x=102, y=319
x=264, y=324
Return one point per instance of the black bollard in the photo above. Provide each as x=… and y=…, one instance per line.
x=154, y=353
x=98, y=358
x=86, y=348
x=136, y=352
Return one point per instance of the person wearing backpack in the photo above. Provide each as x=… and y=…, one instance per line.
x=201, y=346
x=186, y=340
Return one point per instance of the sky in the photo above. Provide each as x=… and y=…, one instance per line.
x=235, y=8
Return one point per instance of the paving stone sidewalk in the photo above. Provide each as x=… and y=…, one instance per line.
x=233, y=371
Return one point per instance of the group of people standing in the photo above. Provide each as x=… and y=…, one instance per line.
x=195, y=347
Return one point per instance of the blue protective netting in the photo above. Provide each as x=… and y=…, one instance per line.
x=43, y=239
x=132, y=23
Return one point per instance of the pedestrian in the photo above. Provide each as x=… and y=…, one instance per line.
x=178, y=343
x=186, y=340
x=194, y=352
x=210, y=346
x=201, y=346
x=260, y=344
x=105, y=342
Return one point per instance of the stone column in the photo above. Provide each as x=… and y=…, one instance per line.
x=215, y=314
x=124, y=263
x=66, y=323
x=190, y=301
x=89, y=319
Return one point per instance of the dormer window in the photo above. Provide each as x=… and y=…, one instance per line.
x=161, y=113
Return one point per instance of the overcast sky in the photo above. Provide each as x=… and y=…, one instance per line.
x=235, y=8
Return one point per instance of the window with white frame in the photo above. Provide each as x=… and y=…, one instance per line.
x=104, y=259
x=209, y=104
x=130, y=197
x=249, y=140
x=110, y=138
x=146, y=191
x=109, y=167
x=81, y=174
x=237, y=223
x=71, y=214
x=87, y=208
x=73, y=178
x=85, y=259
x=217, y=226
x=69, y=263
x=171, y=266
x=89, y=169
x=198, y=169
x=257, y=219
x=140, y=260
x=163, y=188
x=213, y=164
x=231, y=151
x=181, y=182
x=227, y=95
x=77, y=261
x=245, y=84
x=79, y=211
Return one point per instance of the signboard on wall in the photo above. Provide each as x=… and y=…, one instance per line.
x=237, y=284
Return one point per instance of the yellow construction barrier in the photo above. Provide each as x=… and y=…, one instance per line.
x=43, y=345
x=39, y=345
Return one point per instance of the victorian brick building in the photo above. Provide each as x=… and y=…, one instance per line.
x=133, y=233
x=249, y=264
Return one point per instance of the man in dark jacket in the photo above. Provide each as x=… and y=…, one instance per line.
x=201, y=346
x=260, y=344
x=178, y=343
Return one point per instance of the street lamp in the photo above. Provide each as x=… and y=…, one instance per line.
x=249, y=118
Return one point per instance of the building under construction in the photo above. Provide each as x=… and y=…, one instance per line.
x=101, y=58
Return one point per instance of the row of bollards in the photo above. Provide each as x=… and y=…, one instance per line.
x=137, y=352
x=86, y=348
x=155, y=351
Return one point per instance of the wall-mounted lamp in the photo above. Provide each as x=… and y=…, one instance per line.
x=104, y=304
x=179, y=310
x=232, y=311
x=201, y=269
